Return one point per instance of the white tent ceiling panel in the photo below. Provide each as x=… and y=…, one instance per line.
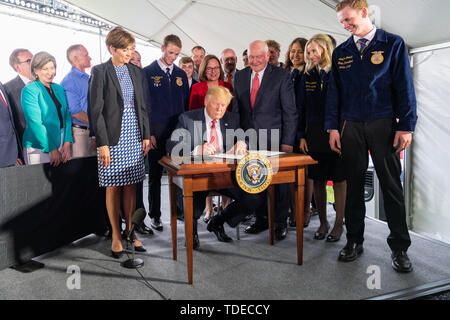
x=216, y=24
x=140, y=18
x=419, y=22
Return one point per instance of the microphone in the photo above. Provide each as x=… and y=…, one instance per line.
x=138, y=217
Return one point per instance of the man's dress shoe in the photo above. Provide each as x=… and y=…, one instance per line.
x=350, y=252
x=143, y=229
x=218, y=231
x=281, y=233
x=156, y=224
x=401, y=262
x=196, y=242
x=256, y=228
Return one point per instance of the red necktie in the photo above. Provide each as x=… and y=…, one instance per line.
x=214, y=136
x=3, y=101
x=255, y=89
x=229, y=79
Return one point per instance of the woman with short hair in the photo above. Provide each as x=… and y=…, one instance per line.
x=119, y=118
x=48, y=133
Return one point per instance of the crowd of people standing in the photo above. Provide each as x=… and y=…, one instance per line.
x=335, y=104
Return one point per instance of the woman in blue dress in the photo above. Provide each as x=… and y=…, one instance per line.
x=118, y=115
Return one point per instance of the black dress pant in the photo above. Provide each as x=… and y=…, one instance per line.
x=244, y=204
x=154, y=180
x=282, y=205
x=377, y=137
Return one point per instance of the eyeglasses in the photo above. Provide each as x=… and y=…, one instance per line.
x=209, y=69
x=26, y=61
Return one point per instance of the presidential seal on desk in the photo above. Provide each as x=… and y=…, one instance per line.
x=254, y=174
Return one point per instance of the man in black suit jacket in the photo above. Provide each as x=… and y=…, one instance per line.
x=20, y=61
x=10, y=153
x=205, y=132
x=265, y=100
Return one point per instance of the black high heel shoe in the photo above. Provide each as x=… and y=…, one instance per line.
x=306, y=223
x=117, y=255
x=137, y=249
x=332, y=238
x=321, y=236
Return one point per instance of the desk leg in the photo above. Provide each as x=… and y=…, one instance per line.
x=189, y=225
x=173, y=214
x=300, y=208
x=271, y=213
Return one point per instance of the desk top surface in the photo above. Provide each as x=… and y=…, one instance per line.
x=188, y=166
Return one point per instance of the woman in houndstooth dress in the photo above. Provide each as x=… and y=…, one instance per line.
x=118, y=116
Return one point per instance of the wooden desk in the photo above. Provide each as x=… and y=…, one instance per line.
x=221, y=175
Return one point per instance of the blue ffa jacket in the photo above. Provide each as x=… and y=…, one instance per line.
x=375, y=85
x=312, y=95
x=168, y=99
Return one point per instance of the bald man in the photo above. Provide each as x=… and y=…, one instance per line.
x=228, y=59
x=265, y=100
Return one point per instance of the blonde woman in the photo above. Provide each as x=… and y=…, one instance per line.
x=314, y=139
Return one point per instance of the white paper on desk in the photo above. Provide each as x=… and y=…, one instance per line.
x=263, y=153
x=268, y=154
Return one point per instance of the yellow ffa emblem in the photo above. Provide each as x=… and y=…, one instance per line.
x=254, y=174
x=157, y=81
x=179, y=82
x=377, y=57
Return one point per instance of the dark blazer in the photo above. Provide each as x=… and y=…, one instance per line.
x=192, y=131
x=106, y=103
x=275, y=107
x=9, y=144
x=13, y=89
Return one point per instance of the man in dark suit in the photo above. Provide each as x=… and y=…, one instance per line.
x=9, y=144
x=265, y=100
x=228, y=59
x=20, y=61
x=205, y=132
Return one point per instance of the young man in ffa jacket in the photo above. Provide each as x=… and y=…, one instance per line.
x=371, y=106
x=169, y=94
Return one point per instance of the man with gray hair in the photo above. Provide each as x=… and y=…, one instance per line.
x=265, y=100
x=228, y=60
x=76, y=84
x=20, y=61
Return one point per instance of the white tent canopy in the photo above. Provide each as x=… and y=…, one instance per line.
x=216, y=24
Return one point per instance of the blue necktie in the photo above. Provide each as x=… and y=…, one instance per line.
x=363, y=44
x=168, y=74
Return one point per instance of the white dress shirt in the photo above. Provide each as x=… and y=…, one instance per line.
x=209, y=120
x=164, y=67
x=260, y=75
x=368, y=36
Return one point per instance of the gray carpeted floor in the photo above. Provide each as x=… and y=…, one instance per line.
x=245, y=269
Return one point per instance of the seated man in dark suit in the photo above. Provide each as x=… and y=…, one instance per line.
x=203, y=132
